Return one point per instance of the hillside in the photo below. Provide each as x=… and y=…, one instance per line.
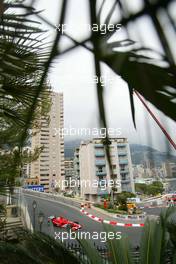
x=139, y=153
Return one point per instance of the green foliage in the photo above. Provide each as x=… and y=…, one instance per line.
x=120, y=250
x=35, y=248
x=150, y=189
x=2, y=216
x=149, y=79
x=90, y=251
x=123, y=207
x=121, y=198
x=140, y=187
x=47, y=249
x=23, y=56
x=11, y=163
x=156, y=240
x=10, y=253
x=144, y=70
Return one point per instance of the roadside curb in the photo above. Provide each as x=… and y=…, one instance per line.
x=118, y=216
x=114, y=223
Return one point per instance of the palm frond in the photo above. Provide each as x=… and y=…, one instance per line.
x=90, y=251
x=47, y=249
x=23, y=56
x=119, y=249
x=155, y=82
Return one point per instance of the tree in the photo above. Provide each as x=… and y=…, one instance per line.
x=140, y=187
x=154, y=189
x=150, y=189
x=23, y=57
x=121, y=198
x=22, y=99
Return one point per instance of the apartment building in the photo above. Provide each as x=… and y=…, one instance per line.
x=169, y=169
x=76, y=171
x=96, y=176
x=26, y=170
x=69, y=174
x=49, y=167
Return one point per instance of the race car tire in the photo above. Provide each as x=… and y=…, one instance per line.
x=68, y=227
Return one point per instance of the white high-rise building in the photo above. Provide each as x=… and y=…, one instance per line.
x=96, y=177
x=49, y=167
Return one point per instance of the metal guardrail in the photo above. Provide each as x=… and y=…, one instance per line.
x=132, y=217
x=78, y=251
x=22, y=204
x=59, y=198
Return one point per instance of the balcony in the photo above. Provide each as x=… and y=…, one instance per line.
x=123, y=161
x=125, y=181
x=121, y=145
x=98, y=145
x=124, y=171
x=100, y=162
x=99, y=154
x=122, y=153
x=100, y=173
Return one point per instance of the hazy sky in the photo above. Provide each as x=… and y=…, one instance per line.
x=73, y=74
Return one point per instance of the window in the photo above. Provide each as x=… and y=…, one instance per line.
x=100, y=169
x=44, y=130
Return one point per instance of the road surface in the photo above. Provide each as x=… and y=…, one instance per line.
x=88, y=225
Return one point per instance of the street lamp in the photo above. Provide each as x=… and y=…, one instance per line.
x=41, y=217
x=34, y=205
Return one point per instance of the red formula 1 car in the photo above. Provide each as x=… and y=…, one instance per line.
x=64, y=223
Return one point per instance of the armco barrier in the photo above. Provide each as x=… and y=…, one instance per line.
x=135, y=217
x=56, y=197
x=22, y=204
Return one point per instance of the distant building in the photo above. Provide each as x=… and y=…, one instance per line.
x=148, y=162
x=95, y=173
x=69, y=174
x=169, y=169
x=49, y=167
x=31, y=181
x=138, y=171
x=77, y=170
x=141, y=172
x=26, y=170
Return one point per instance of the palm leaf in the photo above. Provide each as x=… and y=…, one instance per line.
x=155, y=241
x=90, y=251
x=14, y=254
x=120, y=251
x=156, y=83
x=23, y=56
x=47, y=249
